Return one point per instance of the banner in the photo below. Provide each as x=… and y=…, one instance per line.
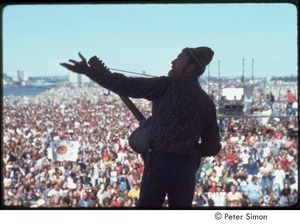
x=63, y=150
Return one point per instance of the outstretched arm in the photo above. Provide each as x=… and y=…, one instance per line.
x=148, y=88
x=99, y=74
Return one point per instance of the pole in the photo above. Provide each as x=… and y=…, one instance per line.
x=252, y=71
x=219, y=86
x=243, y=72
x=252, y=96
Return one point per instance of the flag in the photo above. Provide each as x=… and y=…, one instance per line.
x=63, y=150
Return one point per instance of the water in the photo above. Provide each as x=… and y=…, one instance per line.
x=22, y=91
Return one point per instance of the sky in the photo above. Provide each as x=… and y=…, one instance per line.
x=147, y=37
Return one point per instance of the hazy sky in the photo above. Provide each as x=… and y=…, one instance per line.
x=137, y=37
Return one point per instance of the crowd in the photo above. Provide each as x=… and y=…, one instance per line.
x=257, y=166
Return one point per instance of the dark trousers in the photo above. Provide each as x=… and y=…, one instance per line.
x=168, y=174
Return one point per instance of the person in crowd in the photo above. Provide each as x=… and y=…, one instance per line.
x=114, y=202
x=200, y=197
x=270, y=199
x=219, y=197
x=271, y=100
x=278, y=175
x=135, y=191
x=231, y=160
x=254, y=191
x=84, y=201
x=234, y=197
x=265, y=174
x=290, y=99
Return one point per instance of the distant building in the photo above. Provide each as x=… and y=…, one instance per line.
x=20, y=76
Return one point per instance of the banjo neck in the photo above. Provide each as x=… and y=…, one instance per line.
x=96, y=63
x=135, y=111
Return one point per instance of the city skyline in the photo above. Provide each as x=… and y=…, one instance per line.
x=147, y=37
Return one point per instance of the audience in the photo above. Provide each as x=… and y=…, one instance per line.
x=257, y=153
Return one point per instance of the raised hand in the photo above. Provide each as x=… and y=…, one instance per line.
x=78, y=67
